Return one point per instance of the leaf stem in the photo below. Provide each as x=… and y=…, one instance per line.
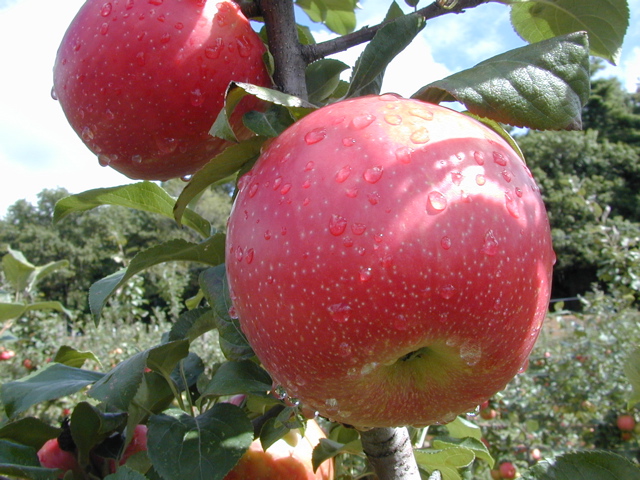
x=390, y=453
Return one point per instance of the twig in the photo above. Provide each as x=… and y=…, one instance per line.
x=390, y=453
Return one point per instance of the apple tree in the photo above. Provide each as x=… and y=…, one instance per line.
x=387, y=265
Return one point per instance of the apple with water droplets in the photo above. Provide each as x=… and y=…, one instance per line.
x=142, y=81
x=390, y=261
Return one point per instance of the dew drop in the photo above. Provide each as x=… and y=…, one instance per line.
x=499, y=158
x=365, y=274
x=420, y=136
x=490, y=245
x=87, y=134
x=140, y=59
x=331, y=403
x=388, y=97
x=249, y=256
x=179, y=26
x=400, y=322
x=156, y=2
x=456, y=178
x=403, y=154
x=267, y=235
x=279, y=392
x=393, y=119
x=239, y=254
x=362, y=121
x=437, y=201
x=253, y=189
x=470, y=353
x=344, y=349
x=166, y=145
x=421, y=113
x=213, y=51
x=373, y=198
x=54, y=94
x=351, y=192
x=373, y=174
x=106, y=9
x=340, y=312
x=358, y=228
x=165, y=38
x=478, y=157
x=306, y=183
x=347, y=241
x=244, y=46
x=518, y=192
x=186, y=178
x=447, y=291
x=314, y=136
x=104, y=28
x=337, y=224
x=104, y=160
x=129, y=5
x=110, y=115
x=197, y=98
x=525, y=365
x=480, y=179
x=474, y=412
x=367, y=368
x=309, y=166
x=233, y=313
x=285, y=189
x=343, y=174
x=445, y=243
x=348, y=141
x=512, y=205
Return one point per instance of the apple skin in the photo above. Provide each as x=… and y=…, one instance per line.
x=626, y=423
x=507, y=470
x=284, y=460
x=142, y=81
x=390, y=262
x=52, y=456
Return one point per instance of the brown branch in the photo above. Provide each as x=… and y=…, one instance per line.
x=282, y=31
x=320, y=50
x=390, y=452
x=249, y=9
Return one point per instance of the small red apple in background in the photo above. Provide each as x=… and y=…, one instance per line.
x=507, y=470
x=488, y=414
x=138, y=444
x=28, y=364
x=536, y=454
x=7, y=354
x=52, y=456
x=287, y=459
x=626, y=422
x=390, y=261
x=141, y=82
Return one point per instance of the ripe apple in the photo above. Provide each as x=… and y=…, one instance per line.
x=52, y=456
x=507, y=470
x=488, y=413
x=142, y=81
x=390, y=261
x=138, y=444
x=287, y=459
x=626, y=422
x=7, y=354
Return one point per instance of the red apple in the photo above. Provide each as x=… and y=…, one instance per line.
x=626, y=423
x=287, y=459
x=52, y=456
x=142, y=81
x=507, y=470
x=390, y=261
x=7, y=354
x=488, y=413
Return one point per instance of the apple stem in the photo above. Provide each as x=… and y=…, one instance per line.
x=390, y=453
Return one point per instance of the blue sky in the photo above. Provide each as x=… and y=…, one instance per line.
x=39, y=150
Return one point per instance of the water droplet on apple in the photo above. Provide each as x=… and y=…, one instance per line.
x=337, y=224
x=490, y=245
x=506, y=174
x=499, y=158
x=400, y=322
x=347, y=241
x=474, y=412
x=518, y=192
x=480, y=179
x=285, y=189
x=344, y=349
x=197, y=97
x=437, y=201
x=404, y=154
x=244, y=46
x=358, y=228
x=470, y=353
x=54, y=94
x=362, y=121
x=373, y=198
x=367, y=368
x=447, y=291
x=331, y=404
x=365, y=274
x=420, y=136
x=348, y=141
x=478, y=157
x=140, y=59
x=165, y=38
x=523, y=368
x=393, y=119
x=156, y=2
x=249, y=256
x=422, y=113
x=166, y=145
x=213, y=51
x=233, y=314
x=279, y=392
x=104, y=160
x=129, y=4
x=309, y=166
x=351, y=192
x=373, y=174
x=314, y=136
x=343, y=174
x=179, y=26
x=456, y=178
x=340, y=312
x=106, y=9
x=87, y=134
x=512, y=205
x=104, y=28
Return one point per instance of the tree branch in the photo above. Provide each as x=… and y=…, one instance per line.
x=312, y=53
x=284, y=46
x=390, y=452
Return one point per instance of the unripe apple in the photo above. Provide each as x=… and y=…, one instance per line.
x=142, y=81
x=626, y=422
x=488, y=414
x=52, y=456
x=507, y=470
x=287, y=459
x=390, y=261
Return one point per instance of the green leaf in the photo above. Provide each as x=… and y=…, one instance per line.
x=447, y=461
x=90, y=426
x=606, y=22
x=22, y=462
x=125, y=473
x=476, y=446
x=146, y=196
x=233, y=343
x=182, y=447
x=209, y=252
x=632, y=371
x=594, y=465
x=327, y=449
x=119, y=386
x=243, y=376
x=11, y=310
x=268, y=124
x=223, y=165
x=51, y=382
x=541, y=86
x=164, y=358
x=338, y=15
x=43, y=271
x=29, y=431
x=50, y=305
x=389, y=41
x=17, y=269
x=74, y=358
x=461, y=428
x=193, y=324
x=322, y=78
